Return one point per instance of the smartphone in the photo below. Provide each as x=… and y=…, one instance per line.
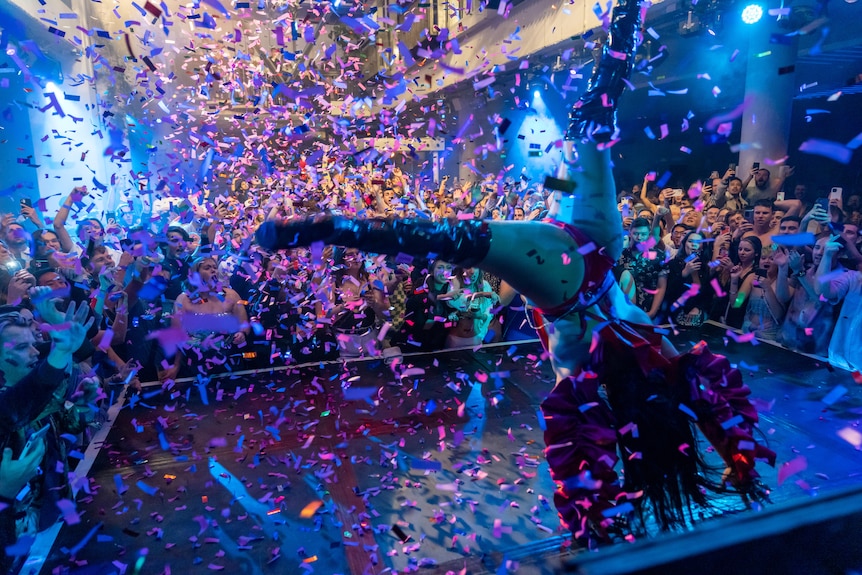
x=836, y=194
x=755, y=166
x=678, y=192
x=34, y=439
x=779, y=197
x=27, y=202
x=731, y=167
x=823, y=203
x=749, y=216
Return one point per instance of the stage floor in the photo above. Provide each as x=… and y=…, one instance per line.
x=350, y=469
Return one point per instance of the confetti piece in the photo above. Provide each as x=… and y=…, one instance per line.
x=851, y=436
x=430, y=464
x=687, y=410
x=791, y=468
x=828, y=149
x=802, y=239
x=310, y=509
x=833, y=396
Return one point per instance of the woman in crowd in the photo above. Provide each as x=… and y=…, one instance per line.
x=808, y=325
x=688, y=283
x=444, y=291
x=214, y=318
x=604, y=350
x=742, y=277
x=764, y=312
x=358, y=306
x=474, y=304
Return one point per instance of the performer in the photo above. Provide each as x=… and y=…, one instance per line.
x=622, y=391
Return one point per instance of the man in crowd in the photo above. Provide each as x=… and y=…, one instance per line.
x=729, y=194
x=846, y=286
x=759, y=185
x=31, y=391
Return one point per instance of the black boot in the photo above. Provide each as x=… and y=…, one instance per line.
x=594, y=115
x=465, y=243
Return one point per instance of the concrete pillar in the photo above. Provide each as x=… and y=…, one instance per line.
x=769, y=90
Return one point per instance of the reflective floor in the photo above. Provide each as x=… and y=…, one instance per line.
x=431, y=465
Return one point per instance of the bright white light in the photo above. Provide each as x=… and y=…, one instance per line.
x=752, y=14
x=50, y=87
x=536, y=93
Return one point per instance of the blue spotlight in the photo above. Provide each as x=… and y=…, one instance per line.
x=752, y=14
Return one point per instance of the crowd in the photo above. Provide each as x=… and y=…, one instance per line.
x=169, y=289
x=785, y=270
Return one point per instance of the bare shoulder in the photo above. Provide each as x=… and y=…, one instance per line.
x=231, y=296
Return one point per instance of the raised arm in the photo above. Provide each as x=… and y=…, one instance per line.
x=644, y=198
x=59, y=222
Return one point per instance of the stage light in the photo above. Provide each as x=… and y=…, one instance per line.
x=752, y=14
x=50, y=87
x=536, y=93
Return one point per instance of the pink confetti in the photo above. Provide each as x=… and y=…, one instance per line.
x=791, y=468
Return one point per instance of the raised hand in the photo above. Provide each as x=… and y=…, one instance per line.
x=19, y=285
x=42, y=298
x=31, y=214
x=796, y=262
x=691, y=267
x=832, y=247
x=68, y=335
x=15, y=473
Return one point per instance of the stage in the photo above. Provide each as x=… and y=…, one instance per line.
x=432, y=465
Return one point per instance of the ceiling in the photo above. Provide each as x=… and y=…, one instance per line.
x=198, y=73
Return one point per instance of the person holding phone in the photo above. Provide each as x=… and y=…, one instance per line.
x=685, y=304
x=600, y=344
x=15, y=474
x=729, y=194
x=760, y=185
x=30, y=216
x=17, y=241
x=33, y=390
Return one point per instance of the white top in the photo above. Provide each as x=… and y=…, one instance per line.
x=845, y=347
